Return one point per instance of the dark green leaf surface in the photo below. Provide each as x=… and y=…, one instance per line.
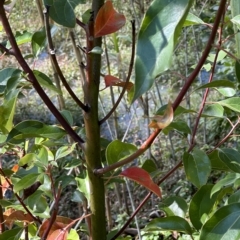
x=216, y=162
x=29, y=129
x=231, y=158
x=197, y=167
x=10, y=234
x=173, y=223
x=223, y=225
x=159, y=31
x=201, y=206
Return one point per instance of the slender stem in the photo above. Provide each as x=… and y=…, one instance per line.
x=2, y=225
x=128, y=77
x=55, y=62
x=33, y=79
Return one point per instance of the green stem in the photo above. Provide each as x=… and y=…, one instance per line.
x=92, y=147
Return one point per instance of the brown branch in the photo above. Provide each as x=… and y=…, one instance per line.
x=179, y=98
x=55, y=62
x=33, y=79
x=128, y=77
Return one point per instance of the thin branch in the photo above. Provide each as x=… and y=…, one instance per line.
x=128, y=77
x=34, y=81
x=179, y=98
x=55, y=62
x=81, y=24
x=6, y=50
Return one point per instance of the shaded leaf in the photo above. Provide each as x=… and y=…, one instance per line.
x=161, y=122
x=172, y=223
x=108, y=20
x=197, y=167
x=237, y=70
x=217, y=83
x=31, y=128
x=201, y=206
x=118, y=150
x=157, y=38
x=11, y=234
x=236, y=20
x=216, y=162
x=45, y=81
x=234, y=198
x=19, y=216
x=179, y=126
x=149, y=166
x=224, y=224
x=231, y=158
x=142, y=177
x=38, y=41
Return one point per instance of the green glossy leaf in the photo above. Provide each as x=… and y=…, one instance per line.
x=11, y=234
x=197, y=167
x=217, y=83
x=172, y=223
x=26, y=182
x=231, y=158
x=78, y=197
x=192, y=20
x=7, y=74
x=213, y=110
x=174, y=206
x=149, y=166
x=157, y=38
x=27, y=159
x=84, y=187
x=179, y=126
x=21, y=38
x=45, y=81
x=216, y=162
x=227, y=92
x=201, y=206
x=38, y=204
x=231, y=103
x=224, y=224
x=118, y=150
x=31, y=128
x=64, y=151
x=229, y=180
x=38, y=41
x=62, y=11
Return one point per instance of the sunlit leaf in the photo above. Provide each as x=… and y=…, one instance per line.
x=213, y=110
x=192, y=20
x=216, y=84
x=21, y=38
x=161, y=122
x=179, y=126
x=108, y=20
x=236, y=20
x=64, y=151
x=227, y=92
x=143, y=178
x=231, y=103
x=224, y=224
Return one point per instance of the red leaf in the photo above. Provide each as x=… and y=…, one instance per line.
x=58, y=235
x=143, y=178
x=113, y=81
x=108, y=20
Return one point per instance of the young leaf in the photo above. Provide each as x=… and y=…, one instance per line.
x=197, y=167
x=108, y=20
x=142, y=177
x=157, y=38
x=172, y=223
x=192, y=20
x=224, y=224
x=64, y=151
x=161, y=122
x=113, y=81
